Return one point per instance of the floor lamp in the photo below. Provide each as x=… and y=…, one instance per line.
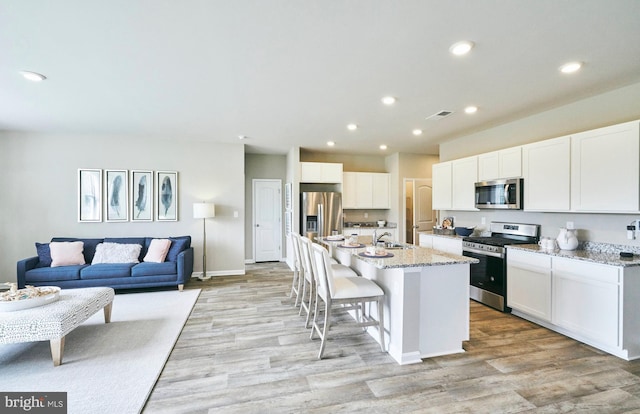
x=204, y=211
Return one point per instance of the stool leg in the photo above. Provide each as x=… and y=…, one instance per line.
x=381, y=321
x=107, y=312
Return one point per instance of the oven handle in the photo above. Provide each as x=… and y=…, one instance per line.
x=482, y=252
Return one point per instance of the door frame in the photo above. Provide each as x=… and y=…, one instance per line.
x=403, y=229
x=253, y=214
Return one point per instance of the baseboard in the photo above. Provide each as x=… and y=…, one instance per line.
x=198, y=275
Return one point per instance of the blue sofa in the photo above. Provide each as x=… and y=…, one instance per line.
x=174, y=271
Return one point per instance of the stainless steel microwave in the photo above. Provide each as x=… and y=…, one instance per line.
x=499, y=194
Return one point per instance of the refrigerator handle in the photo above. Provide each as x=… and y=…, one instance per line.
x=320, y=221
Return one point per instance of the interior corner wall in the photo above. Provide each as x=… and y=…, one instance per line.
x=261, y=166
x=39, y=196
x=613, y=107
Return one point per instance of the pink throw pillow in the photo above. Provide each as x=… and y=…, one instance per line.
x=66, y=253
x=158, y=249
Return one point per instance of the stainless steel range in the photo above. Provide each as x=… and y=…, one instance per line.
x=489, y=277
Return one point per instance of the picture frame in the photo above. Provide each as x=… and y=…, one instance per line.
x=167, y=195
x=141, y=195
x=89, y=195
x=116, y=195
x=288, y=189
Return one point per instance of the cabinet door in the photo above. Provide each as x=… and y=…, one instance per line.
x=441, y=175
x=426, y=240
x=546, y=172
x=489, y=166
x=364, y=190
x=464, y=175
x=331, y=172
x=605, y=169
x=310, y=172
x=381, y=185
x=529, y=283
x=586, y=299
x=448, y=245
x=349, y=186
x=510, y=162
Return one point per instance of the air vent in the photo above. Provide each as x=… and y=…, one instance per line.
x=439, y=115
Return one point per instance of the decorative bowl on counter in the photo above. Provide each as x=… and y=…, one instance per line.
x=464, y=231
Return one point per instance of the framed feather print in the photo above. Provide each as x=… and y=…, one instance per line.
x=116, y=195
x=89, y=195
x=167, y=195
x=141, y=195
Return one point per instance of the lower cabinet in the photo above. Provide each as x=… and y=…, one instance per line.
x=529, y=283
x=585, y=299
x=590, y=302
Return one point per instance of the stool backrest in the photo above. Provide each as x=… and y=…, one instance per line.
x=305, y=253
x=295, y=238
x=324, y=271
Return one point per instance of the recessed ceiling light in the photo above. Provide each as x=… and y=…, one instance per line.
x=461, y=48
x=388, y=100
x=352, y=127
x=331, y=143
x=383, y=147
x=471, y=109
x=33, y=76
x=242, y=137
x=570, y=67
x=417, y=132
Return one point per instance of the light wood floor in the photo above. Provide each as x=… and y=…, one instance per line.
x=245, y=350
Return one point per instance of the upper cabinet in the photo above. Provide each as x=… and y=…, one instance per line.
x=361, y=190
x=320, y=172
x=501, y=164
x=441, y=176
x=605, y=169
x=464, y=175
x=546, y=168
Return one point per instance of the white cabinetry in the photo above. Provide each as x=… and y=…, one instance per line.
x=451, y=245
x=496, y=165
x=366, y=190
x=368, y=231
x=441, y=178
x=320, y=172
x=585, y=299
x=529, y=283
x=546, y=168
x=464, y=175
x=605, y=169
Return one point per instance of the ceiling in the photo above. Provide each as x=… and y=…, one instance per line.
x=288, y=73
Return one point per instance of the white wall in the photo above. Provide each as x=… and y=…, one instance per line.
x=39, y=192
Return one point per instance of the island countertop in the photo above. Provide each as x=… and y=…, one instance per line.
x=606, y=258
x=412, y=256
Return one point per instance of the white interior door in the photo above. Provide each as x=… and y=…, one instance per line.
x=424, y=217
x=267, y=223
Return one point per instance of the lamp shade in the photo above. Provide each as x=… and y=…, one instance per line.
x=204, y=210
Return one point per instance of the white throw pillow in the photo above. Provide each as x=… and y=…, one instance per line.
x=158, y=249
x=116, y=253
x=66, y=253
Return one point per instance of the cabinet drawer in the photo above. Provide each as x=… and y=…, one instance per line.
x=515, y=257
x=593, y=271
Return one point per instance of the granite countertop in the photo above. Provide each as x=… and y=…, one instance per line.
x=611, y=258
x=412, y=256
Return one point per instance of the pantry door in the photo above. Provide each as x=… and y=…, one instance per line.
x=267, y=222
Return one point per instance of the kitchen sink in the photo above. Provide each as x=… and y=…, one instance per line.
x=398, y=246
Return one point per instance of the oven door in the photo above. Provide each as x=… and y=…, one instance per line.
x=489, y=274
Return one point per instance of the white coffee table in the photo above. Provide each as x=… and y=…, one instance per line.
x=54, y=321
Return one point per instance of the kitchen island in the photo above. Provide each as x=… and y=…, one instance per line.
x=426, y=298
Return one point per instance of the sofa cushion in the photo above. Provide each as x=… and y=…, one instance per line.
x=157, y=251
x=106, y=271
x=142, y=241
x=178, y=245
x=116, y=253
x=89, y=246
x=154, y=269
x=52, y=274
x=66, y=253
x=44, y=254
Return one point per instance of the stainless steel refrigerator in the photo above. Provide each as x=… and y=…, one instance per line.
x=321, y=213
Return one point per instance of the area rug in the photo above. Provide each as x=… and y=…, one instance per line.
x=106, y=368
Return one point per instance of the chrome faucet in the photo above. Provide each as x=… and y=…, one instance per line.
x=377, y=238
